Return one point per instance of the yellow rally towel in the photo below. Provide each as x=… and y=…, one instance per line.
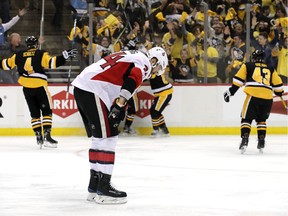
x=72, y=32
x=183, y=17
x=202, y=34
x=200, y=17
x=231, y=13
x=255, y=34
x=99, y=13
x=241, y=11
x=256, y=8
x=110, y=21
x=160, y=17
x=212, y=13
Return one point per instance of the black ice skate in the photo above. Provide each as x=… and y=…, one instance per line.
x=93, y=184
x=162, y=132
x=48, y=141
x=244, y=143
x=261, y=144
x=39, y=138
x=155, y=133
x=128, y=131
x=107, y=194
x=165, y=131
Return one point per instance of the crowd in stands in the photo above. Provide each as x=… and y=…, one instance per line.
x=9, y=45
x=178, y=26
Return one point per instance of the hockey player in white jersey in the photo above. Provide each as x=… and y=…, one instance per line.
x=101, y=92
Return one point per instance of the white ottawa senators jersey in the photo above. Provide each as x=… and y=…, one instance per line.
x=106, y=77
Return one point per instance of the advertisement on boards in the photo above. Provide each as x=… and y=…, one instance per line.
x=191, y=106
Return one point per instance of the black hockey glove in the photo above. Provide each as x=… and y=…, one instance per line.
x=69, y=53
x=131, y=44
x=117, y=114
x=105, y=52
x=227, y=95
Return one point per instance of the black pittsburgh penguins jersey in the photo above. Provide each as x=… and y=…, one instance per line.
x=30, y=65
x=160, y=86
x=260, y=80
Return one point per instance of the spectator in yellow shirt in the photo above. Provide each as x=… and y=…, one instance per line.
x=177, y=38
x=282, y=68
x=212, y=59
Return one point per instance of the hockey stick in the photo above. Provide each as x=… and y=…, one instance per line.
x=70, y=68
x=42, y=23
x=283, y=102
x=120, y=35
x=125, y=27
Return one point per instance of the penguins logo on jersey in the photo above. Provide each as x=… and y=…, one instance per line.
x=238, y=53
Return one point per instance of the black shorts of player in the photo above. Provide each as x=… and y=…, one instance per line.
x=158, y=105
x=38, y=100
x=94, y=114
x=256, y=108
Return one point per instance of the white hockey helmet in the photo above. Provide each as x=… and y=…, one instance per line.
x=161, y=57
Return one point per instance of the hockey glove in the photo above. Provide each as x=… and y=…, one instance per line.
x=105, y=52
x=227, y=95
x=69, y=53
x=131, y=45
x=117, y=114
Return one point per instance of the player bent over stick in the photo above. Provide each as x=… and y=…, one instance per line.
x=260, y=82
x=31, y=64
x=101, y=93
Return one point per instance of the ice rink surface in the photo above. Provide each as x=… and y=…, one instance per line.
x=174, y=176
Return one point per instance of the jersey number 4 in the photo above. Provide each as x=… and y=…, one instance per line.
x=28, y=66
x=112, y=59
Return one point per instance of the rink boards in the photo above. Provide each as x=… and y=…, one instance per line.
x=194, y=109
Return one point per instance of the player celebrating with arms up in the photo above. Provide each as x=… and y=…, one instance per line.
x=31, y=64
x=101, y=92
x=260, y=82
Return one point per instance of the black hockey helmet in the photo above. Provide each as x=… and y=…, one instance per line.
x=258, y=56
x=31, y=42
